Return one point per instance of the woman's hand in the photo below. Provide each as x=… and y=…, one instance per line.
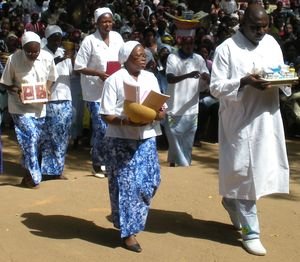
x=14, y=89
x=103, y=75
x=128, y=122
x=161, y=114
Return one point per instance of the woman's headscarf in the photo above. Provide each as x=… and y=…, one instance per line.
x=100, y=11
x=30, y=36
x=52, y=29
x=126, y=50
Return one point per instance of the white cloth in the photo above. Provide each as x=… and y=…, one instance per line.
x=126, y=50
x=61, y=89
x=184, y=95
x=253, y=159
x=52, y=29
x=113, y=99
x=19, y=70
x=94, y=53
x=30, y=36
x=101, y=11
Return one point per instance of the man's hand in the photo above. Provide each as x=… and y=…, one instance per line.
x=205, y=76
x=194, y=74
x=256, y=81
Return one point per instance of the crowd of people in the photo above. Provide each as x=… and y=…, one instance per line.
x=66, y=46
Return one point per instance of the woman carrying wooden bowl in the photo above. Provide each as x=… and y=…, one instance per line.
x=132, y=160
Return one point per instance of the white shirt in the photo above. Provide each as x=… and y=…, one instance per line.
x=253, y=158
x=94, y=53
x=19, y=70
x=113, y=99
x=184, y=95
x=61, y=89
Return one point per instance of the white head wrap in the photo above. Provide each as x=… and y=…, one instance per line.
x=52, y=29
x=126, y=50
x=100, y=11
x=30, y=37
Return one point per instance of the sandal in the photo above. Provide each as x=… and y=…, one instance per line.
x=27, y=182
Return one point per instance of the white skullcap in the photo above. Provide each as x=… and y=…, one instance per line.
x=126, y=50
x=30, y=37
x=100, y=11
x=52, y=29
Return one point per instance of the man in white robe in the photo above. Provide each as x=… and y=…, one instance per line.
x=253, y=158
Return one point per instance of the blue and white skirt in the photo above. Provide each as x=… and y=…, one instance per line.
x=133, y=176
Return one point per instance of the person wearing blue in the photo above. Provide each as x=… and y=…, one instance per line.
x=187, y=75
x=95, y=52
x=31, y=65
x=132, y=161
x=57, y=130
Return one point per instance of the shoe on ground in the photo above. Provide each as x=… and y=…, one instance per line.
x=234, y=220
x=28, y=183
x=254, y=247
x=134, y=247
x=99, y=172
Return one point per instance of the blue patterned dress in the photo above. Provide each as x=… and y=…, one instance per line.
x=131, y=156
x=29, y=135
x=57, y=132
x=133, y=176
x=98, y=133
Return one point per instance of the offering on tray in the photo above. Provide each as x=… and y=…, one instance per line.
x=281, y=75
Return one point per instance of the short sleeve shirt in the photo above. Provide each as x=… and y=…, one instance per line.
x=19, y=70
x=95, y=53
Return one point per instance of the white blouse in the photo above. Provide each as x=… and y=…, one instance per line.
x=95, y=53
x=113, y=99
x=61, y=89
x=19, y=70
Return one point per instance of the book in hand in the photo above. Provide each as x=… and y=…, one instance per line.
x=141, y=106
x=34, y=93
x=112, y=67
x=149, y=98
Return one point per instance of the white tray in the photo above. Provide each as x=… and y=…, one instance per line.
x=287, y=81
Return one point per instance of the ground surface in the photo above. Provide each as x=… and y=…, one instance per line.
x=66, y=221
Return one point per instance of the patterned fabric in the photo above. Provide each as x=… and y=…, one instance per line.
x=133, y=177
x=29, y=135
x=3, y=102
x=78, y=107
x=180, y=131
x=98, y=133
x=56, y=135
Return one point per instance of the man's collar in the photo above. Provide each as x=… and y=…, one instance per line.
x=182, y=55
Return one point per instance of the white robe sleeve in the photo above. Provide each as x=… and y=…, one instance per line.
x=223, y=82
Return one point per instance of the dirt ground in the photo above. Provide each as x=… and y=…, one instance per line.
x=67, y=220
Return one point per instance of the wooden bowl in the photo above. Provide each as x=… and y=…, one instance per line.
x=138, y=113
x=68, y=45
x=186, y=24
